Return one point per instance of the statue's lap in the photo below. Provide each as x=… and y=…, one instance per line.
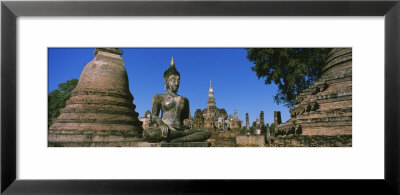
x=154, y=134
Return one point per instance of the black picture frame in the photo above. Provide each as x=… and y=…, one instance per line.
x=10, y=10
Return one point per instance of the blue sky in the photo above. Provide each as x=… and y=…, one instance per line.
x=235, y=85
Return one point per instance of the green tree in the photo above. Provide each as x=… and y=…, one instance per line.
x=58, y=97
x=272, y=128
x=291, y=69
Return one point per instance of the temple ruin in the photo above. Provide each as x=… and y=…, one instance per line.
x=100, y=112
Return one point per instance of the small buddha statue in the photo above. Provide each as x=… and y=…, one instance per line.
x=173, y=125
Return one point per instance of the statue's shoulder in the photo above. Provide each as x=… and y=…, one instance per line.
x=185, y=99
x=158, y=97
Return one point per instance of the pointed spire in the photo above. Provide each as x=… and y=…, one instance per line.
x=210, y=90
x=211, y=100
x=235, y=116
x=172, y=61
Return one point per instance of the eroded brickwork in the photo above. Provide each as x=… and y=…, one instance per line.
x=311, y=141
x=325, y=108
x=100, y=105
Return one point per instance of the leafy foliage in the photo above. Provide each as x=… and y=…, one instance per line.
x=291, y=69
x=272, y=127
x=58, y=97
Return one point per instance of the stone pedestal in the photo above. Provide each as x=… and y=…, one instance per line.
x=82, y=141
x=250, y=140
x=187, y=144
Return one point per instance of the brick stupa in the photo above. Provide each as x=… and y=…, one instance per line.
x=100, y=111
x=325, y=108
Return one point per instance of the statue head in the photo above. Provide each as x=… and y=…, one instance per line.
x=172, y=78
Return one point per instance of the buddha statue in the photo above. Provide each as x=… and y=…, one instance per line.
x=173, y=125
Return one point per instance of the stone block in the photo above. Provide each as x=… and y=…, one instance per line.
x=186, y=144
x=250, y=140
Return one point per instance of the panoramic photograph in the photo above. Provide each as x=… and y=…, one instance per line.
x=199, y=97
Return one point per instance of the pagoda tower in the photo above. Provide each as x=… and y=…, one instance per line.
x=211, y=100
x=247, y=122
x=262, y=123
x=211, y=105
x=262, y=118
x=100, y=111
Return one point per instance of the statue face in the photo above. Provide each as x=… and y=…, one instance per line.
x=172, y=83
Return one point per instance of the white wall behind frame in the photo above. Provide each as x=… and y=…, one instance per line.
x=365, y=160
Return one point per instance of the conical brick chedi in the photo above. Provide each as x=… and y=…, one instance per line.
x=101, y=101
x=325, y=108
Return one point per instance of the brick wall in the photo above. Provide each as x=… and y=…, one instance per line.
x=311, y=141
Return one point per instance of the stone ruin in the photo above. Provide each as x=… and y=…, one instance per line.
x=277, y=117
x=247, y=124
x=146, y=119
x=262, y=119
x=209, y=121
x=214, y=118
x=100, y=111
x=325, y=108
x=198, y=121
x=236, y=124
